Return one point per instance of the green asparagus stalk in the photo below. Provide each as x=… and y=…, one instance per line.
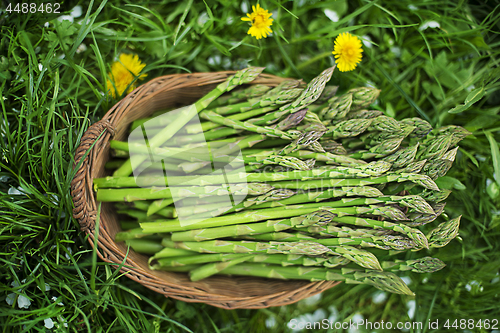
x=277, y=259
x=421, y=180
x=386, y=242
x=416, y=235
x=268, y=214
x=223, y=246
x=125, y=194
x=435, y=196
x=220, y=209
x=361, y=257
x=335, y=230
x=216, y=118
x=403, y=157
x=319, y=217
x=385, y=281
x=158, y=205
x=145, y=246
x=240, y=95
x=207, y=270
x=362, y=191
x=444, y=233
x=364, y=114
x=421, y=265
x=336, y=105
x=310, y=94
x=418, y=219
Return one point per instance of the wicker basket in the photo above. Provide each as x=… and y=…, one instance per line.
x=220, y=291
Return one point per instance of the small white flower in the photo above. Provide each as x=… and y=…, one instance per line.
x=406, y=279
x=425, y=280
x=244, y=6
x=55, y=299
x=334, y=314
x=332, y=15
x=76, y=11
x=229, y=20
x=469, y=285
x=65, y=17
x=367, y=41
x=480, y=158
x=411, y=305
x=46, y=287
x=10, y=298
x=470, y=88
x=226, y=63
x=412, y=7
x=13, y=191
x=49, y=323
x=40, y=67
x=356, y=319
x=23, y=302
x=429, y=24
x=81, y=48
x=370, y=84
x=379, y=297
x=214, y=60
x=70, y=252
x=311, y=300
x=270, y=322
x=318, y=315
x=46, y=24
x=202, y=19
x=396, y=50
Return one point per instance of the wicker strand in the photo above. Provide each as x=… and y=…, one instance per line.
x=84, y=214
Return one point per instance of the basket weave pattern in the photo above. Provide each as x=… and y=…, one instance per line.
x=93, y=153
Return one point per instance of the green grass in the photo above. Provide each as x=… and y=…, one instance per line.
x=45, y=112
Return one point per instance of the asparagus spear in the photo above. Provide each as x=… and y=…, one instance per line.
x=277, y=259
x=385, y=242
x=215, y=268
x=444, y=233
x=310, y=94
x=145, y=246
x=416, y=235
x=107, y=195
x=418, y=219
x=358, y=256
x=220, y=209
x=421, y=265
x=240, y=95
x=422, y=180
x=319, y=217
x=333, y=229
x=385, y=281
x=376, y=168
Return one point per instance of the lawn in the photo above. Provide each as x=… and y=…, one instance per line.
x=427, y=57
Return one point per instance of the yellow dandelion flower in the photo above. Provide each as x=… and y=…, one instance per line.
x=261, y=22
x=123, y=72
x=347, y=52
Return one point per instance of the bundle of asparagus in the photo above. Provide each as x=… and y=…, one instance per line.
x=314, y=185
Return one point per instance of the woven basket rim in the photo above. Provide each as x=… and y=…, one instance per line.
x=92, y=146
